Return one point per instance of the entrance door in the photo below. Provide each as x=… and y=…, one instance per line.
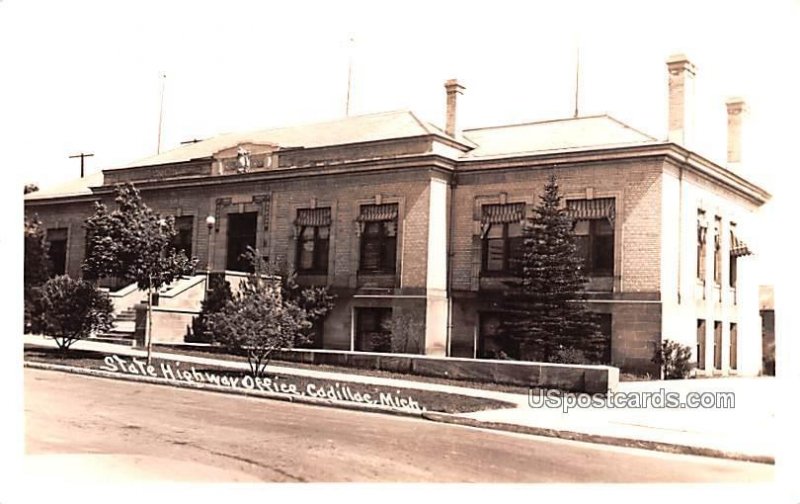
x=241, y=234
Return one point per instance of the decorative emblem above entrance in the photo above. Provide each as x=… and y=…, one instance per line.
x=245, y=157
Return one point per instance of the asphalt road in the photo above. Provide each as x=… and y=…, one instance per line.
x=104, y=428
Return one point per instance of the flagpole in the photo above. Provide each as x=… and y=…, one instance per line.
x=349, y=77
x=161, y=112
x=577, y=75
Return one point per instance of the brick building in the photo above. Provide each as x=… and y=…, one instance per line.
x=413, y=226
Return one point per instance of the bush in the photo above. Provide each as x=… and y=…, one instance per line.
x=69, y=310
x=570, y=356
x=258, y=320
x=673, y=358
x=218, y=296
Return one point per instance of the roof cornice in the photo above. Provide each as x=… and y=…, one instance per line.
x=427, y=161
x=667, y=150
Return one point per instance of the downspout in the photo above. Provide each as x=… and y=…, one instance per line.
x=681, y=169
x=449, y=286
x=680, y=227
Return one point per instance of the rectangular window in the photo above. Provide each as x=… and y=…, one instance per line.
x=702, y=229
x=378, y=238
x=701, y=344
x=502, y=240
x=734, y=345
x=373, y=329
x=717, y=250
x=502, y=249
x=184, y=225
x=313, y=226
x=717, y=345
x=734, y=256
x=491, y=344
x=594, y=234
x=57, y=250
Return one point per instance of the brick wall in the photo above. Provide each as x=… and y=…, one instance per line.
x=635, y=185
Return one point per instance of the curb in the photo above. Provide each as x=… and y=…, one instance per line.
x=445, y=418
x=597, y=438
x=316, y=401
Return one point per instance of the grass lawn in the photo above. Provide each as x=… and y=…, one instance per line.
x=219, y=353
x=430, y=400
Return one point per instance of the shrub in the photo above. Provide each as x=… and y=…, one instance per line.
x=673, y=358
x=69, y=310
x=566, y=355
x=258, y=320
x=218, y=296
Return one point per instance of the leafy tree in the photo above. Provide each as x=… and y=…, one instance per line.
x=259, y=320
x=219, y=293
x=29, y=188
x=315, y=301
x=673, y=358
x=70, y=310
x=36, y=268
x=544, y=306
x=134, y=243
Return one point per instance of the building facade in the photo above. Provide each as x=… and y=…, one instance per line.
x=414, y=227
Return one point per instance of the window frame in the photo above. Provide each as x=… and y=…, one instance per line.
x=701, y=246
x=382, y=315
x=385, y=265
x=508, y=255
x=717, y=251
x=319, y=264
x=591, y=254
x=178, y=241
x=52, y=263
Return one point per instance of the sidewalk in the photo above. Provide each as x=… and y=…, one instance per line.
x=748, y=429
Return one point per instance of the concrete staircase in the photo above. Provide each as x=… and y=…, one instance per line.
x=122, y=330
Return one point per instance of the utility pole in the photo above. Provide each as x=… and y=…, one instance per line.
x=82, y=155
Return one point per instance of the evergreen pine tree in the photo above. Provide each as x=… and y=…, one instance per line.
x=545, y=314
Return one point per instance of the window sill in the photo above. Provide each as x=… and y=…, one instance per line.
x=311, y=273
x=497, y=274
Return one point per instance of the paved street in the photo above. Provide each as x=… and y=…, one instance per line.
x=128, y=430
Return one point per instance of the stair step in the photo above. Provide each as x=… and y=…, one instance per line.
x=107, y=338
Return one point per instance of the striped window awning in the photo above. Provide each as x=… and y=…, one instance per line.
x=502, y=214
x=375, y=213
x=313, y=217
x=601, y=208
x=738, y=247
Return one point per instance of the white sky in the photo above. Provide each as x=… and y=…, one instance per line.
x=85, y=76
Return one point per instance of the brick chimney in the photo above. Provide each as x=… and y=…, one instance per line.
x=681, y=100
x=736, y=110
x=453, y=90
